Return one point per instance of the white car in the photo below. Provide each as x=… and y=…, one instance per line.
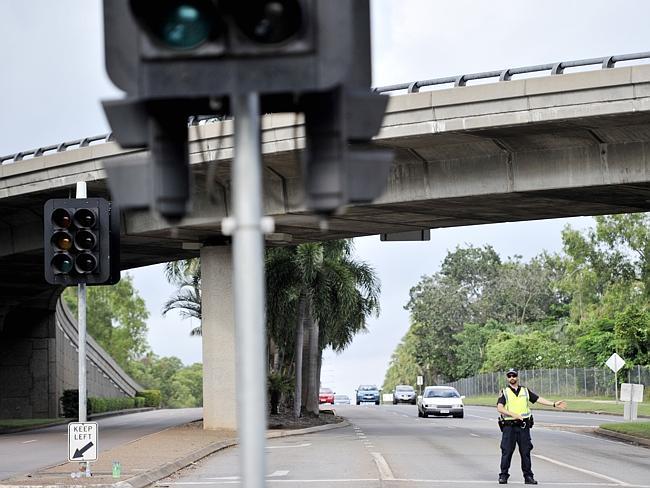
x=440, y=400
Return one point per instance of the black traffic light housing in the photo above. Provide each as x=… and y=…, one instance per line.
x=180, y=58
x=81, y=241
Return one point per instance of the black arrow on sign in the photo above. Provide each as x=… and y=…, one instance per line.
x=80, y=452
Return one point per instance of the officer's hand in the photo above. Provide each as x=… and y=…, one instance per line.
x=518, y=417
x=561, y=404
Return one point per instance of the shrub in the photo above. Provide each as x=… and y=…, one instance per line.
x=139, y=401
x=152, y=398
x=70, y=404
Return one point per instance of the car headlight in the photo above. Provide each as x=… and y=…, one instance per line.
x=460, y=405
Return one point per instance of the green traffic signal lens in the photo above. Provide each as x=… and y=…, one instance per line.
x=85, y=240
x=61, y=218
x=269, y=21
x=85, y=263
x=62, y=240
x=178, y=24
x=84, y=217
x=62, y=263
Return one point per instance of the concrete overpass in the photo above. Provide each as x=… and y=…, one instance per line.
x=546, y=147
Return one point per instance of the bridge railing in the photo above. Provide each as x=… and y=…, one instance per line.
x=558, y=68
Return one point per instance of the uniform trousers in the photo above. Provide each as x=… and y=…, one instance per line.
x=515, y=434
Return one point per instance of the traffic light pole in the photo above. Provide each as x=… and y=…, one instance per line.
x=249, y=284
x=81, y=321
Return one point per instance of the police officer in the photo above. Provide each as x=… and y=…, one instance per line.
x=514, y=407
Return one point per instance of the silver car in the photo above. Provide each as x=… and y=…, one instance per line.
x=440, y=400
x=404, y=394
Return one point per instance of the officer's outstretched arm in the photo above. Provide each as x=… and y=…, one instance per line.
x=561, y=404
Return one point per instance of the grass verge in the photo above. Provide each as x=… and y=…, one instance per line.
x=573, y=405
x=638, y=429
x=20, y=423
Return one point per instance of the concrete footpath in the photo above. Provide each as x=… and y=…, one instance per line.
x=148, y=459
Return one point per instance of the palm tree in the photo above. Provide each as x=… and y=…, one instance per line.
x=186, y=275
x=328, y=296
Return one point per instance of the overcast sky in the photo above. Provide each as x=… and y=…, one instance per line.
x=52, y=80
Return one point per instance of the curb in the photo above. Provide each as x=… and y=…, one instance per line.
x=149, y=477
x=623, y=437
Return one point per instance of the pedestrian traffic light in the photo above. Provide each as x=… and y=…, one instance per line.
x=81, y=242
x=181, y=58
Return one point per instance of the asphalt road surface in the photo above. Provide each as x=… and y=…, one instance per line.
x=389, y=446
x=25, y=452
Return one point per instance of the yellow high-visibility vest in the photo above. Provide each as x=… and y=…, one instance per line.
x=517, y=403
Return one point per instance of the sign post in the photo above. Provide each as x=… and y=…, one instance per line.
x=420, y=382
x=82, y=441
x=615, y=362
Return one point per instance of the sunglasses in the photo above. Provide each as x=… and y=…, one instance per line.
x=511, y=375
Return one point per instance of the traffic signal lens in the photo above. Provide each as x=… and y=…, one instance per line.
x=62, y=263
x=61, y=218
x=85, y=240
x=177, y=24
x=84, y=217
x=85, y=262
x=269, y=21
x=62, y=240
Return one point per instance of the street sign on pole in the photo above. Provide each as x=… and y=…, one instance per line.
x=615, y=362
x=420, y=380
x=82, y=441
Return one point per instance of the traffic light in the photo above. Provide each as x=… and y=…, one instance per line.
x=81, y=242
x=181, y=58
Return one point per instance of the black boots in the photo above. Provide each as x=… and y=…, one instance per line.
x=530, y=481
x=503, y=480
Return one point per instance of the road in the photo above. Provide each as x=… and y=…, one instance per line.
x=389, y=446
x=25, y=452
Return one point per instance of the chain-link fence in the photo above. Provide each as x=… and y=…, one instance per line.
x=571, y=382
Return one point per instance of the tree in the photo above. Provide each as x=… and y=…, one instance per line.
x=116, y=319
x=328, y=296
x=186, y=275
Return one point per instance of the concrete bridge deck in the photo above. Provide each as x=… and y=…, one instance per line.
x=553, y=146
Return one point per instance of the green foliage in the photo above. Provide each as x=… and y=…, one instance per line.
x=116, y=319
x=403, y=368
x=178, y=386
x=101, y=405
x=94, y=405
x=187, y=387
x=151, y=398
x=526, y=351
x=186, y=276
x=483, y=313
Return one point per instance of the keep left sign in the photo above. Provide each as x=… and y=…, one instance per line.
x=82, y=441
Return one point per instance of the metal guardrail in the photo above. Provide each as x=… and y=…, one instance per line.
x=410, y=87
x=507, y=74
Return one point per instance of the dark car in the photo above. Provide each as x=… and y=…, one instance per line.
x=404, y=394
x=325, y=395
x=367, y=393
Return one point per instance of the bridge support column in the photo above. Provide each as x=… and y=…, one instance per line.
x=218, y=327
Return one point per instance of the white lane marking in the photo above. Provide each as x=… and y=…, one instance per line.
x=275, y=474
x=474, y=435
x=222, y=478
x=305, y=444
x=28, y=442
x=581, y=470
x=385, y=472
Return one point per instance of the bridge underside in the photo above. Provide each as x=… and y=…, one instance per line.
x=593, y=166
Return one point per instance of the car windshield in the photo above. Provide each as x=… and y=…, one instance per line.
x=441, y=394
x=404, y=388
x=325, y=390
x=367, y=388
